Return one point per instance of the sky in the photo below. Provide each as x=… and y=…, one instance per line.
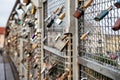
x=5, y=10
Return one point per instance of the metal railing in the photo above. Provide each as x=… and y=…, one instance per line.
x=103, y=60
x=101, y=41
x=89, y=74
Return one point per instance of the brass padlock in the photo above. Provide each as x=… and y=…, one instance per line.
x=59, y=20
x=84, y=35
x=34, y=46
x=62, y=16
x=33, y=10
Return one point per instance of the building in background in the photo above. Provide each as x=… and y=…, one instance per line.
x=2, y=35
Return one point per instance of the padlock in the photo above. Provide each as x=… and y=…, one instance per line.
x=84, y=78
x=19, y=22
x=84, y=35
x=103, y=14
x=117, y=4
x=64, y=75
x=57, y=37
x=79, y=2
x=14, y=13
x=35, y=66
x=60, y=45
x=117, y=25
x=62, y=16
x=51, y=68
x=34, y=46
x=88, y=3
x=60, y=10
x=36, y=56
x=113, y=56
x=31, y=24
x=50, y=23
x=33, y=10
x=31, y=76
x=80, y=10
x=28, y=54
x=56, y=10
x=23, y=60
x=44, y=68
x=25, y=36
x=46, y=19
x=78, y=13
x=33, y=35
x=45, y=79
x=26, y=1
x=59, y=20
x=19, y=6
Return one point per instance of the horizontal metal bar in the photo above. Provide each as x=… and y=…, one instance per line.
x=54, y=51
x=107, y=71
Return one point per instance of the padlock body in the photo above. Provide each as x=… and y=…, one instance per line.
x=78, y=13
x=117, y=4
x=101, y=15
x=117, y=25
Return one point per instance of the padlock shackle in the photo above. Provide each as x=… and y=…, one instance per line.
x=63, y=37
x=110, y=8
x=56, y=10
x=88, y=3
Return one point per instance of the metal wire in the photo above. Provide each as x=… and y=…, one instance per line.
x=102, y=41
x=91, y=74
x=55, y=29
x=52, y=32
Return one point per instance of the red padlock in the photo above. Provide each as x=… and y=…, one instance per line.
x=117, y=25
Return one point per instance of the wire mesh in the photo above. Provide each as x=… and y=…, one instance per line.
x=55, y=29
x=89, y=74
x=51, y=33
x=102, y=43
x=54, y=58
